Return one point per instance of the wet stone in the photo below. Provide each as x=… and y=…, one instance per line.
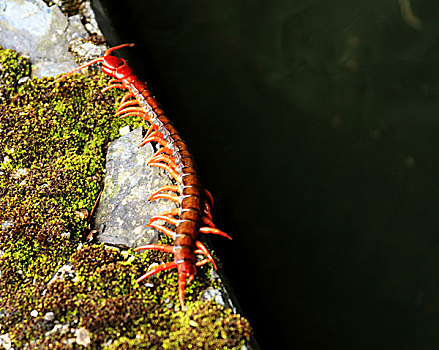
x=124, y=210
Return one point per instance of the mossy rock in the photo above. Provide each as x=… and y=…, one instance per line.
x=53, y=140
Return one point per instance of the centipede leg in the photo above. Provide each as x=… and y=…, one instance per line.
x=207, y=210
x=169, y=196
x=172, y=212
x=127, y=104
x=165, y=158
x=208, y=221
x=169, y=220
x=175, y=175
x=130, y=109
x=163, y=267
x=163, y=150
x=173, y=188
x=181, y=285
x=159, y=140
x=114, y=86
x=161, y=247
x=209, y=196
x=126, y=97
x=214, y=231
x=152, y=128
x=167, y=231
x=156, y=133
x=204, y=250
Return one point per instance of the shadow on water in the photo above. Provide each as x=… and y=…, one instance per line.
x=316, y=128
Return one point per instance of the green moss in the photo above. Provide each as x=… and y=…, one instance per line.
x=53, y=139
x=13, y=67
x=207, y=325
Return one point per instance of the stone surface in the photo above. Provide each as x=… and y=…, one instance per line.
x=89, y=18
x=124, y=209
x=42, y=33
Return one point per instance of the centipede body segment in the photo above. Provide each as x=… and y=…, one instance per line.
x=193, y=215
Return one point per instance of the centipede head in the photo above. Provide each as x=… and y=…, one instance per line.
x=113, y=66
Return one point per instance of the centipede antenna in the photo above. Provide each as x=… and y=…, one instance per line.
x=96, y=60
x=111, y=49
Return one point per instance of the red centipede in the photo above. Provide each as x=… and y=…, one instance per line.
x=192, y=216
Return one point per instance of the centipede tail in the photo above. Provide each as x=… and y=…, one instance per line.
x=193, y=215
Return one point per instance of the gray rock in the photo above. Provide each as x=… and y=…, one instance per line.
x=124, y=209
x=85, y=51
x=75, y=29
x=43, y=33
x=89, y=18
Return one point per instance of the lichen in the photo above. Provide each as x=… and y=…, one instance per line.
x=53, y=139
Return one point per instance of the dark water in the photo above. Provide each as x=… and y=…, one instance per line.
x=315, y=124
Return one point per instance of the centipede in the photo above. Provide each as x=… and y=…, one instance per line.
x=192, y=215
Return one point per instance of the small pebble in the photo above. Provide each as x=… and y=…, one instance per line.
x=213, y=294
x=34, y=313
x=65, y=234
x=82, y=214
x=193, y=323
x=49, y=316
x=23, y=80
x=5, y=341
x=82, y=337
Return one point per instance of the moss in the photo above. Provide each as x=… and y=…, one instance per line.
x=13, y=67
x=53, y=139
x=207, y=325
x=69, y=7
